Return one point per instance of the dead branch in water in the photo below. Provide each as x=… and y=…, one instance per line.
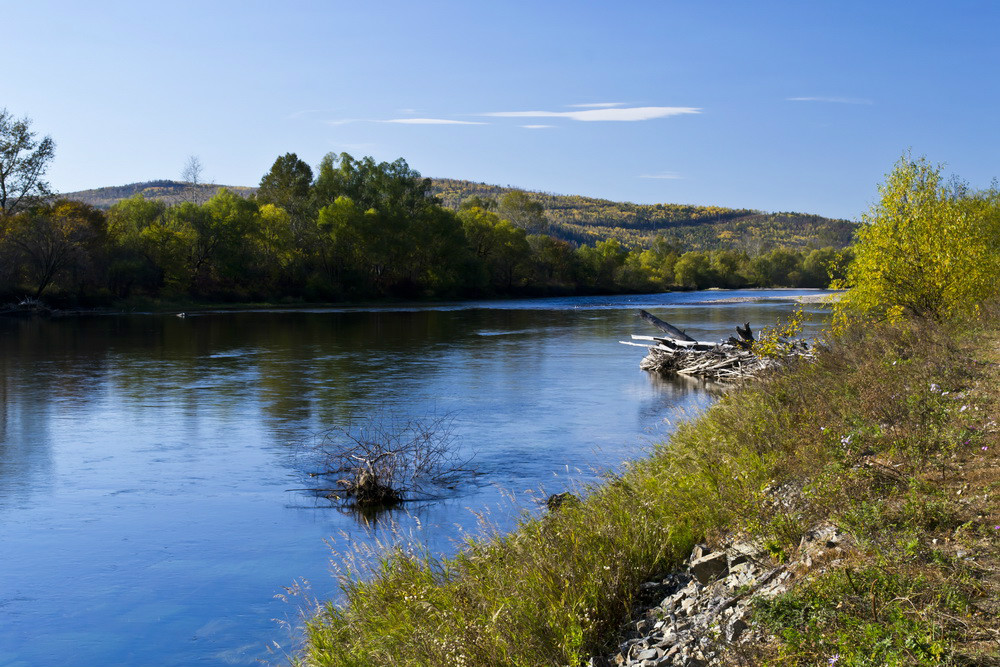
x=381, y=461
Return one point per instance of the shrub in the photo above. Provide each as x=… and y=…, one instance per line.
x=929, y=248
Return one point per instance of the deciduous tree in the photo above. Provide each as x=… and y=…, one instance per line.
x=288, y=184
x=927, y=248
x=61, y=236
x=524, y=212
x=23, y=163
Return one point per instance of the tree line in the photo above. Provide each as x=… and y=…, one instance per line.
x=355, y=229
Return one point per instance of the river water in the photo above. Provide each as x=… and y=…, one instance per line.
x=152, y=467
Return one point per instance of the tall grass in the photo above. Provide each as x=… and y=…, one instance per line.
x=825, y=440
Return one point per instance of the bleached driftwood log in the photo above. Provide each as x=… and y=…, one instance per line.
x=734, y=359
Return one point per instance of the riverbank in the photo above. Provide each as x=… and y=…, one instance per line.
x=889, y=437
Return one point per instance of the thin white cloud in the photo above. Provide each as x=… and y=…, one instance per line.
x=597, y=105
x=431, y=121
x=536, y=127
x=607, y=114
x=405, y=121
x=665, y=175
x=832, y=100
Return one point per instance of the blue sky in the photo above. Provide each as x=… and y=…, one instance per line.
x=780, y=106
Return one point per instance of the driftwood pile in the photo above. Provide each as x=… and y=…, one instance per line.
x=733, y=359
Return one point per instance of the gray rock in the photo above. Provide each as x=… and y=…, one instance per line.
x=820, y=539
x=735, y=629
x=650, y=654
x=740, y=566
x=712, y=566
x=627, y=645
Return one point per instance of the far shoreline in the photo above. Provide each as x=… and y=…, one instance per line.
x=195, y=307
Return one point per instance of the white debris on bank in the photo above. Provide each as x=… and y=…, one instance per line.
x=734, y=359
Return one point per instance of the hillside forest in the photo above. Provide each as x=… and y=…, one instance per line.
x=358, y=229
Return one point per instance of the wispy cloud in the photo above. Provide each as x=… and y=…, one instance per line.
x=597, y=111
x=431, y=121
x=831, y=100
x=604, y=114
x=597, y=105
x=664, y=175
x=405, y=121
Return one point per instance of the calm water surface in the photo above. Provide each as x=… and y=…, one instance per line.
x=151, y=466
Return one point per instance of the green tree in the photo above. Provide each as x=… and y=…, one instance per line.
x=63, y=237
x=633, y=276
x=228, y=228
x=438, y=255
x=287, y=185
x=485, y=203
x=728, y=267
x=602, y=261
x=784, y=268
x=658, y=261
x=693, y=270
x=274, y=243
x=390, y=187
x=523, y=211
x=553, y=261
x=23, y=163
x=374, y=216
x=820, y=267
x=926, y=248
x=131, y=264
x=365, y=248
x=168, y=242
x=501, y=247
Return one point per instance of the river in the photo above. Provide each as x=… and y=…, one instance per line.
x=152, y=466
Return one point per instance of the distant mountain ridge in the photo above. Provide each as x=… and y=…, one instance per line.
x=588, y=219
x=171, y=192
x=580, y=219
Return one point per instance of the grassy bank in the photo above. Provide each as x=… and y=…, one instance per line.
x=889, y=434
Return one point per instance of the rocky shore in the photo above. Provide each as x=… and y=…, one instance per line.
x=698, y=616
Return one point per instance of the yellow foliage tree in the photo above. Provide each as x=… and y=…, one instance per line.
x=929, y=248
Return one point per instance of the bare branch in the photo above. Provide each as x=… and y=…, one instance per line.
x=382, y=461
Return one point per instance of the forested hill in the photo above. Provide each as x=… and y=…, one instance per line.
x=583, y=220
x=169, y=192
x=588, y=220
